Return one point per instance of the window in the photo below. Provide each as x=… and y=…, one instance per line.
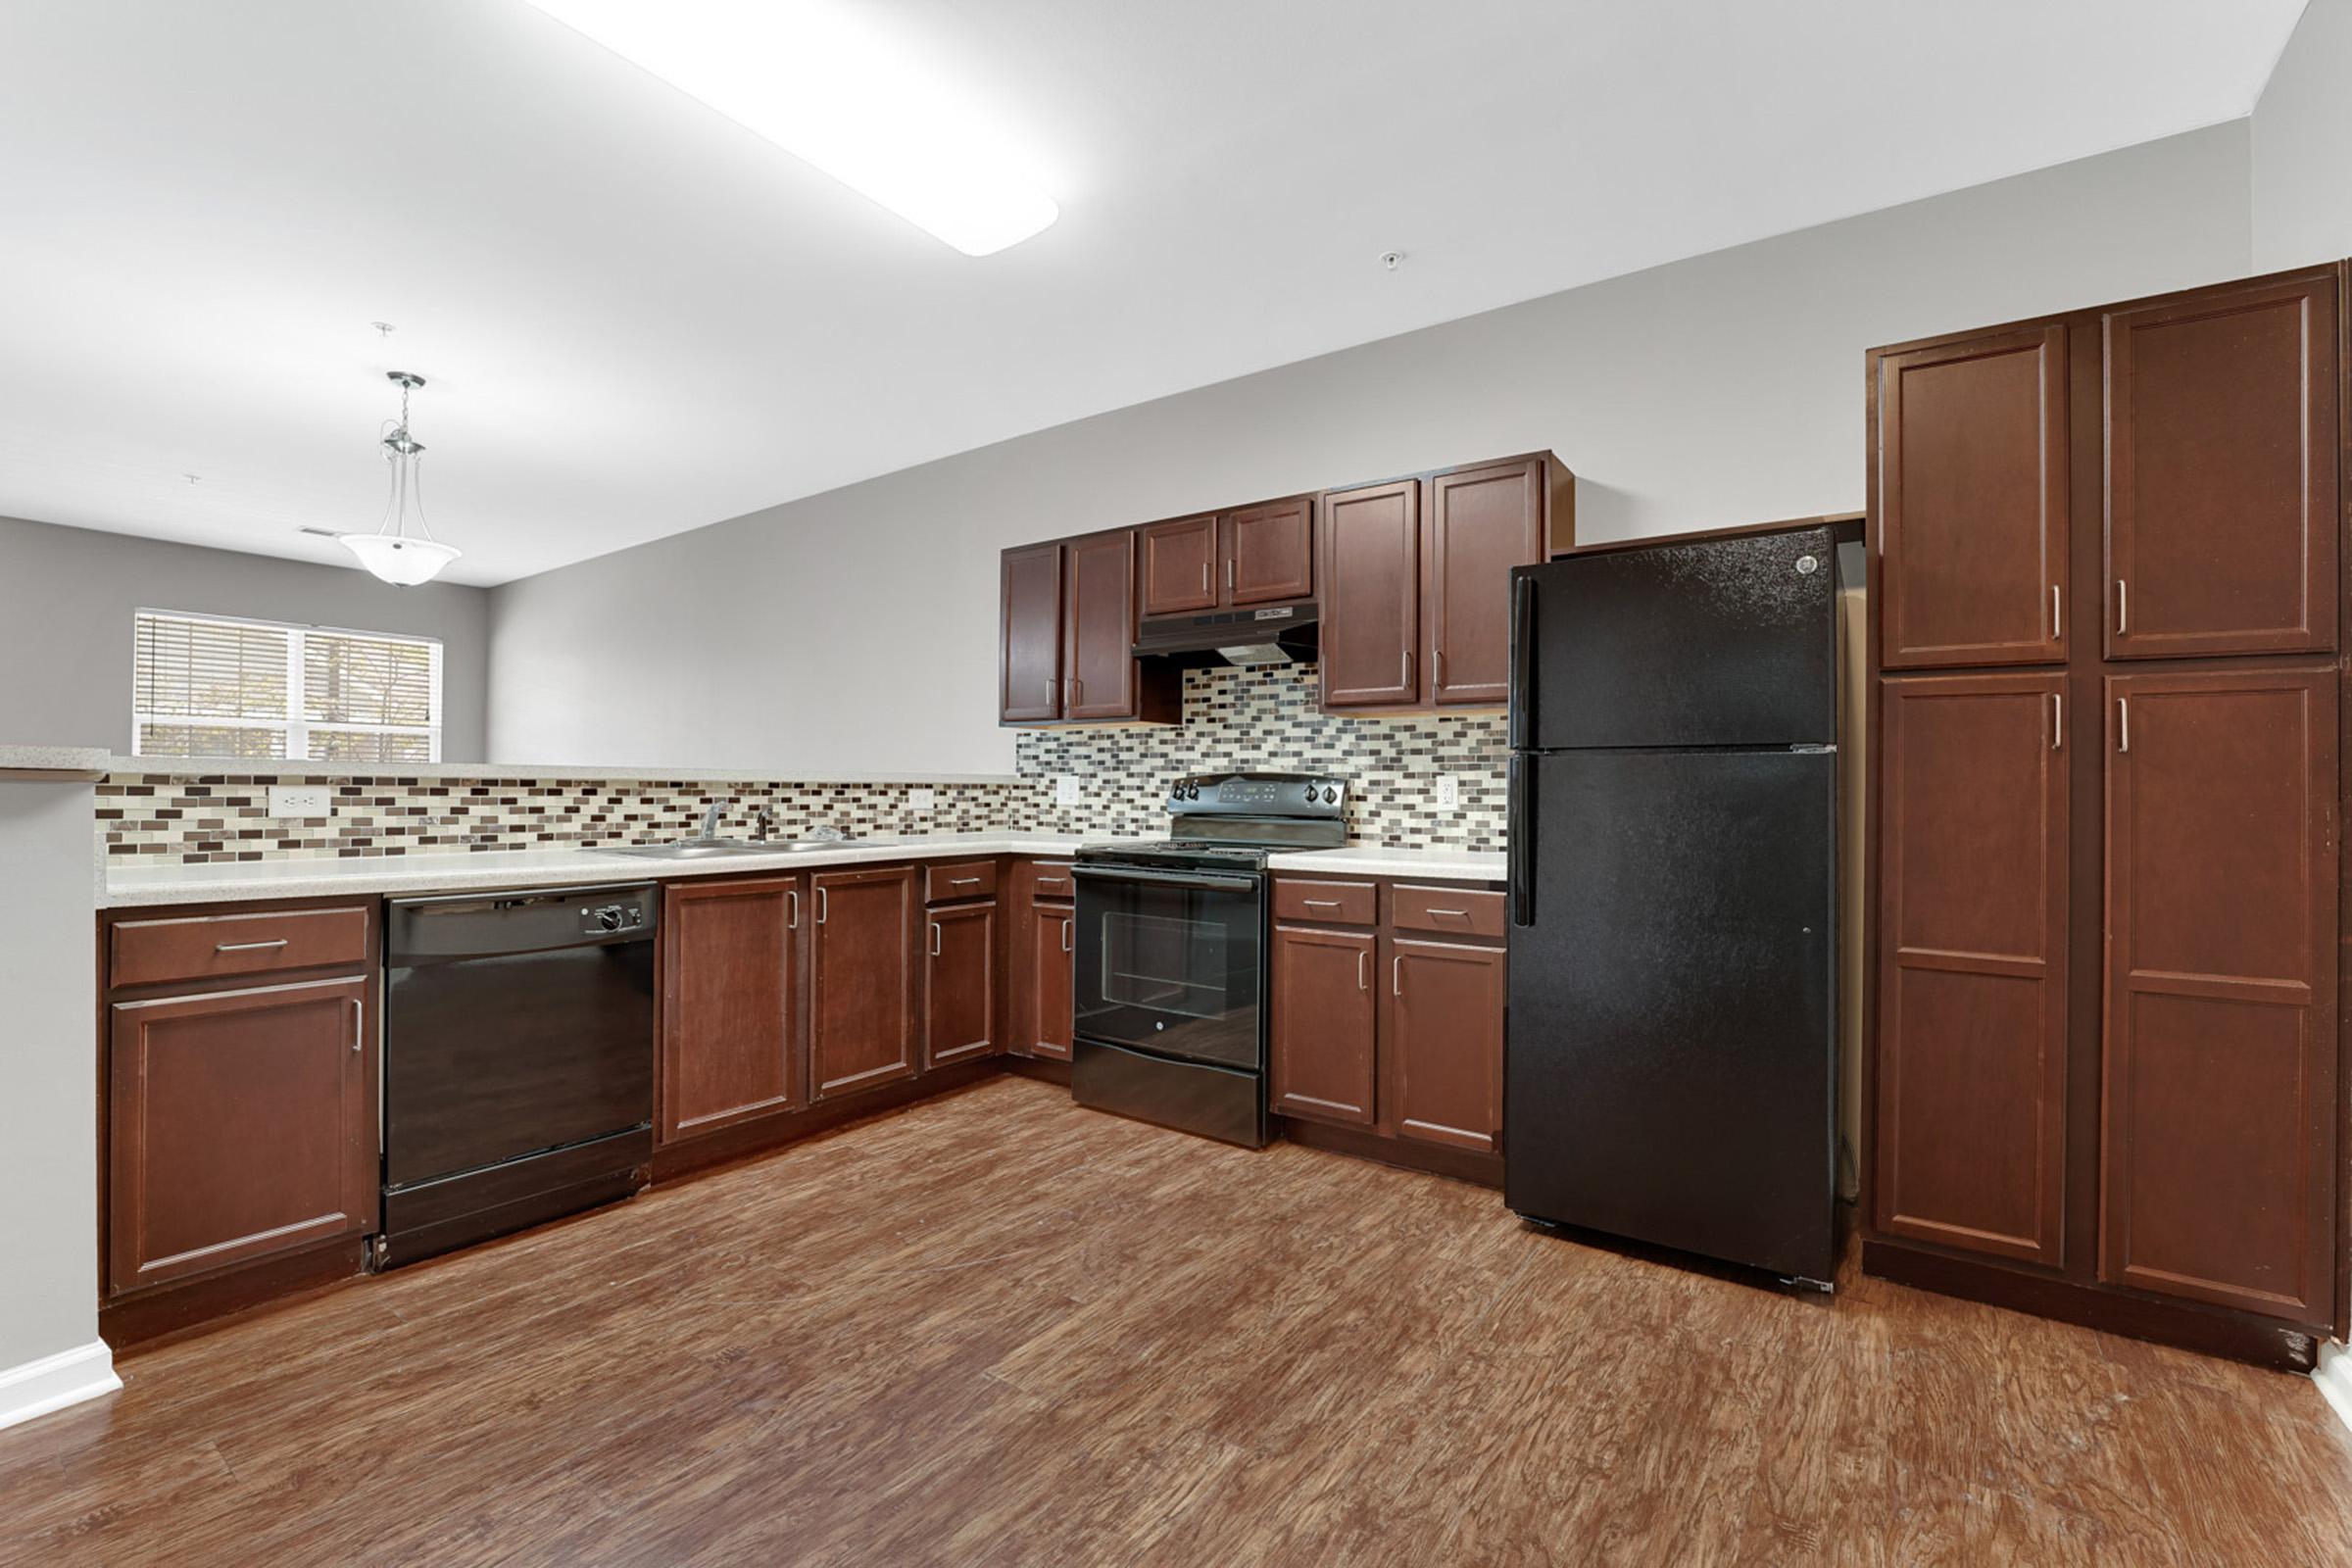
x=208, y=686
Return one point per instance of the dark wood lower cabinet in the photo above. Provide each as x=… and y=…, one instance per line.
x=861, y=979
x=1324, y=1057
x=1043, y=983
x=1444, y=1033
x=241, y=1126
x=731, y=992
x=960, y=989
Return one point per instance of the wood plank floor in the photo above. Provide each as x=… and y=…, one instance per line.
x=998, y=1328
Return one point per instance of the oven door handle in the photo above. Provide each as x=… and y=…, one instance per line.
x=1178, y=879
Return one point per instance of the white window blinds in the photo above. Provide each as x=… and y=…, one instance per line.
x=207, y=686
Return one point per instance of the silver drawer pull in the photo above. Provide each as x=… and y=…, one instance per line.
x=1458, y=915
x=935, y=939
x=248, y=946
x=1066, y=935
x=1363, y=981
x=963, y=881
x=1321, y=903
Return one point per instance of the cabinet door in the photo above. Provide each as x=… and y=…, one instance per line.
x=730, y=1002
x=1269, y=552
x=1097, y=628
x=2218, y=1100
x=1322, y=1025
x=1043, y=982
x=1179, y=564
x=1029, y=653
x=861, y=979
x=1973, y=501
x=1370, y=568
x=240, y=1124
x=2221, y=473
x=1443, y=1068
x=1482, y=522
x=1970, y=1144
x=959, y=1012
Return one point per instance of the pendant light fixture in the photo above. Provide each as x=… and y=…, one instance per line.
x=391, y=553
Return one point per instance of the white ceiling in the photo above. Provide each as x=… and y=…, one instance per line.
x=638, y=319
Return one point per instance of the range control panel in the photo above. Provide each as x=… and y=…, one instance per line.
x=597, y=918
x=1309, y=795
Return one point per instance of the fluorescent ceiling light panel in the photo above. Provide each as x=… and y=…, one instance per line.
x=808, y=76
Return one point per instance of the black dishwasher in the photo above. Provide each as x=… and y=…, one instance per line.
x=518, y=1060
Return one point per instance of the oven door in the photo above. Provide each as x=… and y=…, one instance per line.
x=1167, y=962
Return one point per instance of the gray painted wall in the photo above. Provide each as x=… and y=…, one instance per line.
x=67, y=598
x=2302, y=145
x=857, y=629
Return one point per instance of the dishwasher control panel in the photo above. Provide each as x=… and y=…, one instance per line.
x=596, y=920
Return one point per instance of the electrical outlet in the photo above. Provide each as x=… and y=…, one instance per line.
x=1065, y=789
x=301, y=800
x=922, y=802
x=1450, y=792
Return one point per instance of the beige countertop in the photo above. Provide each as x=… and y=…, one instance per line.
x=226, y=882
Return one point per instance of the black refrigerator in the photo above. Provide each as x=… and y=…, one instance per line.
x=1670, y=1062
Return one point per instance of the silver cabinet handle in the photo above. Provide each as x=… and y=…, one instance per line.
x=2057, y=721
x=2122, y=607
x=792, y=909
x=935, y=939
x=1397, y=975
x=1321, y=903
x=963, y=881
x=1066, y=935
x=1363, y=978
x=1229, y=574
x=248, y=946
x=1408, y=669
x=1454, y=915
x=820, y=906
x=2123, y=723
x=2057, y=620
x=359, y=1014
x=1437, y=662
x=1205, y=576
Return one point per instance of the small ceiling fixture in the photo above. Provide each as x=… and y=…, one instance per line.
x=1391, y=259
x=389, y=552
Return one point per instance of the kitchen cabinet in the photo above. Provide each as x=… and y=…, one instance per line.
x=960, y=1011
x=1322, y=1045
x=731, y=995
x=1444, y=1038
x=2220, y=1133
x=861, y=979
x=1181, y=567
x=1041, y=962
x=242, y=1125
x=2220, y=471
x=1222, y=560
x=1972, y=497
x=1415, y=581
x=1066, y=637
x=1972, y=987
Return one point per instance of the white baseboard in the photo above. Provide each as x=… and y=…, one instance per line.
x=2333, y=1375
x=86, y=1372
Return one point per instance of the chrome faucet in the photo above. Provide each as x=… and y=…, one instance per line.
x=719, y=808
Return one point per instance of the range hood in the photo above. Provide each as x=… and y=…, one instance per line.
x=1265, y=634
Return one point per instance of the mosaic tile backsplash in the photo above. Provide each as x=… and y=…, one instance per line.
x=1234, y=717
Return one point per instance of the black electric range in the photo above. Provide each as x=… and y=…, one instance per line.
x=1170, y=979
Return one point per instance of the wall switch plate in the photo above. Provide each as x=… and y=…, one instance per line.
x=301, y=800
x=921, y=800
x=1065, y=789
x=1450, y=792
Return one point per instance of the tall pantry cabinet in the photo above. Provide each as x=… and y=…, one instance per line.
x=2107, y=623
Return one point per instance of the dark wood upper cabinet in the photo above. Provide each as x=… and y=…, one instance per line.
x=2221, y=473
x=730, y=1004
x=1269, y=552
x=1321, y=1024
x=1973, y=501
x=1097, y=628
x=241, y=1124
x=1443, y=1070
x=861, y=979
x=1370, y=564
x=1029, y=655
x=960, y=1008
x=2220, y=1134
x=1180, y=565
x=1482, y=522
x=1971, y=991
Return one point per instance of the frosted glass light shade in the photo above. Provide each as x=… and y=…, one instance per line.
x=404, y=562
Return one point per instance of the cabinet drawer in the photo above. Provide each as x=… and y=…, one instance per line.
x=1456, y=912
x=1050, y=881
x=207, y=947
x=1326, y=902
x=959, y=879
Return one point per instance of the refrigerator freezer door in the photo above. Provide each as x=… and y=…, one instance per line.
x=1671, y=1055
x=1725, y=643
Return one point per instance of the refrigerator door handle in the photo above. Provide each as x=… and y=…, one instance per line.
x=1523, y=663
x=1519, y=839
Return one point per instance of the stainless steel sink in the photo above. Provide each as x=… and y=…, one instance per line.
x=713, y=849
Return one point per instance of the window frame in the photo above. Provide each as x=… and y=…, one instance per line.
x=292, y=724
